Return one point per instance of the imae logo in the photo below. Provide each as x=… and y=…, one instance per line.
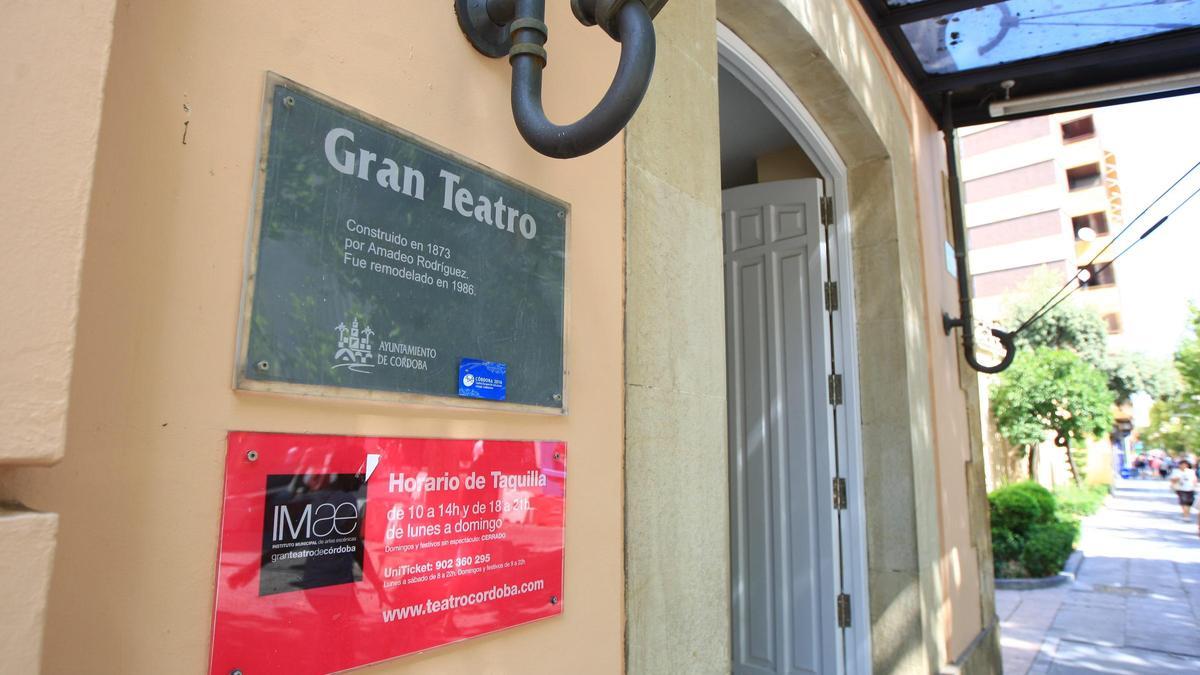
x=325, y=520
x=312, y=531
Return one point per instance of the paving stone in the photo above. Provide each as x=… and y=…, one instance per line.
x=1135, y=606
x=1076, y=658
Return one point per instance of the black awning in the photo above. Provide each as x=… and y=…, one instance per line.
x=990, y=51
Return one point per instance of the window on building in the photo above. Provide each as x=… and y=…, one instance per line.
x=1095, y=276
x=1114, y=322
x=1083, y=177
x=1089, y=226
x=1077, y=130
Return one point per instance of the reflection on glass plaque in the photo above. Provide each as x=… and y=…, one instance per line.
x=379, y=262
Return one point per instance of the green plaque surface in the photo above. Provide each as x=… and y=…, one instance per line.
x=379, y=262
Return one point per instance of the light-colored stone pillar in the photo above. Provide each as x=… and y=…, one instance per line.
x=676, y=462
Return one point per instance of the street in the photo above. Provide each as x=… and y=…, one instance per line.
x=1135, y=606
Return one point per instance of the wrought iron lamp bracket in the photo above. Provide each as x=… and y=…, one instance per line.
x=517, y=29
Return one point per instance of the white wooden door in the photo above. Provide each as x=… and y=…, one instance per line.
x=784, y=530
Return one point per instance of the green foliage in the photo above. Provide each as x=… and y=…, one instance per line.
x=1129, y=373
x=1175, y=421
x=1013, y=512
x=1047, y=547
x=1174, y=425
x=1006, y=548
x=1069, y=326
x=1019, y=506
x=1079, y=328
x=1051, y=390
x=1077, y=502
x=1187, y=357
x=1030, y=536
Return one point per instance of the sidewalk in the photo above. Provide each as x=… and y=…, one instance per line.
x=1135, y=607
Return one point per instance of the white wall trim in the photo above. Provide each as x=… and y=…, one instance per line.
x=739, y=59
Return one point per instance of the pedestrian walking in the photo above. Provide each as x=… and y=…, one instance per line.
x=1183, y=481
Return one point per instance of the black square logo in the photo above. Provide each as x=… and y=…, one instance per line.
x=312, y=532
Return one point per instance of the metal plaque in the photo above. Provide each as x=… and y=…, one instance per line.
x=342, y=551
x=380, y=262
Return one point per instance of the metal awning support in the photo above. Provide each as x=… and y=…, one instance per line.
x=966, y=319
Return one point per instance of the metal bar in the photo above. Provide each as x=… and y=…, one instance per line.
x=965, y=321
x=970, y=116
x=958, y=228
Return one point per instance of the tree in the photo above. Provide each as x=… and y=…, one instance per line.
x=1175, y=421
x=1131, y=372
x=1052, y=390
x=1173, y=425
x=1081, y=329
x=1070, y=326
x=1187, y=357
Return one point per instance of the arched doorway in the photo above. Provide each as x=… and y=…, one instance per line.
x=798, y=546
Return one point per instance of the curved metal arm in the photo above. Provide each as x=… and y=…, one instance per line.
x=1007, y=340
x=516, y=28
x=636, y=33
x=1010, y=353
x=965, y=321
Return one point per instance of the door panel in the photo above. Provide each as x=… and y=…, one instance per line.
x=783, y=547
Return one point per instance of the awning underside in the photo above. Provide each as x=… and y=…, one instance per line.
x=986, y=51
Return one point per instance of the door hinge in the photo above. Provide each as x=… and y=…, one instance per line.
x=827, y=210
x=835, y=389
x=831, y=296
x=843, y=610
x=839, y=494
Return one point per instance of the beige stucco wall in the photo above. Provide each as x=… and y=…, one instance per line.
x=55, y=56
x=139, y=491
x=26, y=555
x=967, y=600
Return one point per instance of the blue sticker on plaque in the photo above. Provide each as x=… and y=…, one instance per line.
x=482, y=379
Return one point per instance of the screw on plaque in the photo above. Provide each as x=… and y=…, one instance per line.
x=289, y=101
x=235, y=671
x=562, y=214
x=554, y=599
x=252, y=455
x=558, y=455
x=557, y=397
x=263, y=365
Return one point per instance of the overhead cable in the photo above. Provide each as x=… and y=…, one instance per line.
x=1106, y=265
x=1055, y=300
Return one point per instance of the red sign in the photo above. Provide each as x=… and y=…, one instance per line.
x=342, y=551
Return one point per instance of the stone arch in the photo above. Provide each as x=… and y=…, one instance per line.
x=821, y=52
x=676, y=462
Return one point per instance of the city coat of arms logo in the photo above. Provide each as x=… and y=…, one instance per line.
x=354, y=350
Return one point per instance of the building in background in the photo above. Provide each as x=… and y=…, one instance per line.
x=1041, y=193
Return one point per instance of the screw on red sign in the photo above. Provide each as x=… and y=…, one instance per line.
x=341, y=551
